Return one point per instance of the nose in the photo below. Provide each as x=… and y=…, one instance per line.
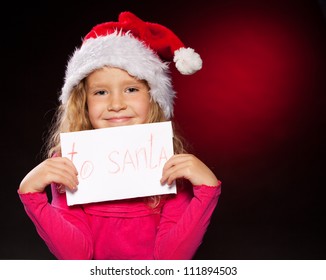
x=116, y=102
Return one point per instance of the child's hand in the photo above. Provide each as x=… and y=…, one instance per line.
x=57, y=169
x=189, y=167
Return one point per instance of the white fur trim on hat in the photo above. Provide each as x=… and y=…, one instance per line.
x=125, y=52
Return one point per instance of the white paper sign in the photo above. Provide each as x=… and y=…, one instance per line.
x=119, y=162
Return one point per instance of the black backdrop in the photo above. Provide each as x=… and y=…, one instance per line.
x=255, y=114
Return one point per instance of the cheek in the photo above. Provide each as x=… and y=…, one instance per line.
x=144, y=108
x=94, y=110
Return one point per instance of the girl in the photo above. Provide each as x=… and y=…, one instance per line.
x=119, y=76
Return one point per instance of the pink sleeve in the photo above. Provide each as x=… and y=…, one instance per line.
x=184, y=221
x=63, y=229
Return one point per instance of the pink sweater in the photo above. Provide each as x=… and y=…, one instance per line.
x=125, y=229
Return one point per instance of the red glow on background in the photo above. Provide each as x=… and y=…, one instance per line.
x=251, y=91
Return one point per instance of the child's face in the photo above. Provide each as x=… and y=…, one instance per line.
x=115, y=98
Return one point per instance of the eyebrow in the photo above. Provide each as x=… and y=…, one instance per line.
x=129, y=82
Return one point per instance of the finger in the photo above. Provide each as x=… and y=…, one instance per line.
x=57, y=171
x=64, y=165
x=180, y=170
x=177, y=159
x=66, y=162
x=64, y=177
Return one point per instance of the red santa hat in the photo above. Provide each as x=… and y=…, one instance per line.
x=141, y=48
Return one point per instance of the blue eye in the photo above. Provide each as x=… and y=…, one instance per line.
x=131, y=90
x=101, y=92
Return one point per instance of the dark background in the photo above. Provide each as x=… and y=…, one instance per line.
x=255, y=114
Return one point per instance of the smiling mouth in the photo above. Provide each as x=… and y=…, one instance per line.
x=118, y=119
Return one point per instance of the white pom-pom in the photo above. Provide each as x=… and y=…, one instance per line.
x=187, y=61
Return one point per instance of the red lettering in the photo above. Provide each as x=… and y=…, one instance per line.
x=86, y=169
x=151, y=152
x=128, y=160
x=141, y=153
x=163, y=156
x=114, y=162
x=72, y=153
